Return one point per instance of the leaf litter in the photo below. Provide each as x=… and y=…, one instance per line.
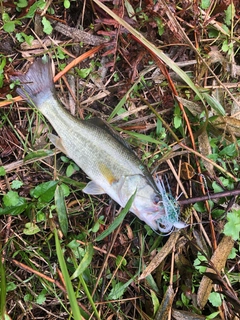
x=125, y=291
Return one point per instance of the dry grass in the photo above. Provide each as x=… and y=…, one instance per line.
x=173, y=93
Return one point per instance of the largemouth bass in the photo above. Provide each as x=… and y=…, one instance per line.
x=98, y=150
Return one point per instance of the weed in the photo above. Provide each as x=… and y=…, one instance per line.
x=67, y=255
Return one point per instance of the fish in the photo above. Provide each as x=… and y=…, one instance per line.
x=106, y=158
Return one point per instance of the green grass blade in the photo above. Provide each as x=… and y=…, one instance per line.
x=215, y=104
x=125, y=97
x=3, y=289
x=118, y=220
x=141, y=137
x=38, y=154
x=87, y=259
x=61, y=209
x=170, y=63
x=90, y=299
x=72, y=298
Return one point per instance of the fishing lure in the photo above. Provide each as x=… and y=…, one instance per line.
x=170, y=219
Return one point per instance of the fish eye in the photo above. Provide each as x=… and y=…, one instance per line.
x=157, y=199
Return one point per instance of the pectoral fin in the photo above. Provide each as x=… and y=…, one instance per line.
x=93, y=188
x=57, y=142
x=107, y=173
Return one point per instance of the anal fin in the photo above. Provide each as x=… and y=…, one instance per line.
x=93, y=188
x=57, y=141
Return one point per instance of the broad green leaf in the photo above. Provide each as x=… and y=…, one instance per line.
x=5, y=17
x=232, y=227
x=2, y=64
x=15, y=210
x=9, y=26
x=66, y=4
x=16, y=184
x=119, y=289
x=22, y=3
x=216, y=187
x=229, y=151
x=70, y=170
x=205, y=4
x=233, y=255
x=28, y=297
x=11, y=198
x=47, y=28
x=160, y=25
x=225, y=46
x=120, y=262
x=177, y=120
x=152, y=283
x=11, y=286
x=30, y=229
x=24, y=37
x=38, y=4
x=41, y=298
x=215, y=299
x=83, y=73
x=230, y=14
x=2, y=171
x=198, y=263
x=65, y=189
x=44, y=191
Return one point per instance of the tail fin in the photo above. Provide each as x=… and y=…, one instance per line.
x=37, y=84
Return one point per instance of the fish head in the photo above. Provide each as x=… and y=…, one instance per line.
x=159, y=210
x=147, y=204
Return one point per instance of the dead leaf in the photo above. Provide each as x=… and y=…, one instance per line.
x=218, y=260
x=166, y=305
x=206, y=150
x=8, y=142
x=187, y=315
x=166, y=249
x=230, y=124
x=193, y=107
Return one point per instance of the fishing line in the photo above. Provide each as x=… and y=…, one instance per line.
x=170, y=220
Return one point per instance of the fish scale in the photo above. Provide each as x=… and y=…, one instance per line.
x=97, y=149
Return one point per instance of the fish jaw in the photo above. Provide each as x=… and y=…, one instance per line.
x=146, y=209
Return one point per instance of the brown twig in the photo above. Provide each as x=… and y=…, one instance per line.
x=38, y=273
x=230, y=193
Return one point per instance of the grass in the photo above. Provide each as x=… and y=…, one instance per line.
x=66, y=255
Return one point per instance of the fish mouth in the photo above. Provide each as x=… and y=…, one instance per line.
x=166, y=228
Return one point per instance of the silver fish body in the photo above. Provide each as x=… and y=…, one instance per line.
x=101, y=153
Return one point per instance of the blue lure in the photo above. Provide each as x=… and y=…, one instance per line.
x=170, y=220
